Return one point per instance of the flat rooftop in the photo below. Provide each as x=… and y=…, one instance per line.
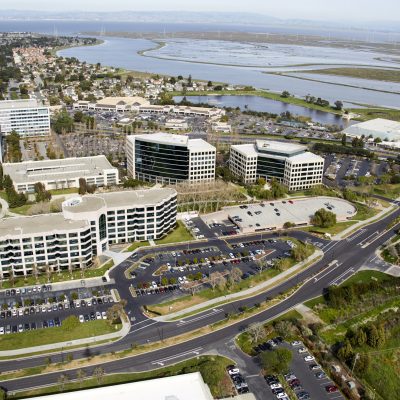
x=378, y=127
x=270, y=147
x=129, y=100
x=16, y=104
x=129, y=198
x=180, y=387
x=38, y=224
x=45, y=170
x=175, y=140
x=297, y=211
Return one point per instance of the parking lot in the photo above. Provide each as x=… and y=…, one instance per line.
x=39, y=307
x=273, y=215
x=195, y=265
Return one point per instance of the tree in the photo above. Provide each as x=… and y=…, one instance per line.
x=63, y=122
x=375, y=336
x=285, y=94
x=3, y=394
x=276, y=361
x=344, y=139
x=41, y=194
x=70, y=323
x=216, y=279
x=346, y=353
x=256, y=331
x=82, y=186
x=323, y=218
x=338, y=105
x=80, y=376
x=235, y=275
x=62, y=381
x=98, y=373
x=284, y=328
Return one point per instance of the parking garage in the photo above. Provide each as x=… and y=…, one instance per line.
x=271, y=215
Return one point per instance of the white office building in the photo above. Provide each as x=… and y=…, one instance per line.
x=169, y=159
x=291, y=164
x=26, y=117
x=85, y=228
x=62, y=173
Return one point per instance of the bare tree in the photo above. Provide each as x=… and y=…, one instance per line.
x=70, y=268
x=235, y=275
x=80, y=376
x=35, y=272
x=62, y=381
x=261, y=265
x=256, y=331
x=98, y=373
x=217, y=279
x=48, y=271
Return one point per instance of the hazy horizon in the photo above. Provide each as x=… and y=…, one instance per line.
x=312, y=10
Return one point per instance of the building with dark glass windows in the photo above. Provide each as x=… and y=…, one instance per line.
x=169, y=159
x=289, y=163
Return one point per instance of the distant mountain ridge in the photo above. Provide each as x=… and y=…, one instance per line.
x=225, y=18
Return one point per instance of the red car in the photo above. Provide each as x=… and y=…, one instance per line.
x=290, y=201
x=331, y=388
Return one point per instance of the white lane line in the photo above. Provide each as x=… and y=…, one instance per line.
x=143, y=327
x=373, y=240
x=330, y=245
x=368, y=237
x=317, y=278
x=356, y=235
x=162, y=361
x=213, y=312
x=351, y=270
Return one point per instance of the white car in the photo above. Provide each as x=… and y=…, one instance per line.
x=296, y=343
x=1, y=330
x=98, y=315
x=233, y=371
x=309, y=358
x=104, y=315
x=281, y=395
x=302, y=350
x=81, y=319
x=275, y=386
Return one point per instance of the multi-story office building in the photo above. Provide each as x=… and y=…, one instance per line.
x=169, y=159
x=26, y=117
x=291, y=164
x=62, y=173
x=84, y=229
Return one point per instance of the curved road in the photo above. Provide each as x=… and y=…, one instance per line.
x=341, y=260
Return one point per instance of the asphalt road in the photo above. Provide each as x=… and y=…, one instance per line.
x=341, y=259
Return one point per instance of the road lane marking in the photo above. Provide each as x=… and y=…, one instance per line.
x=317, y=278
x=213, y=312
x=334, y=282
x=162, y=361
x=143, y=327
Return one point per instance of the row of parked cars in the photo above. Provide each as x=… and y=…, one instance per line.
x=27, y=290
x=29, y=326
x=319, y=374
x=92, y=316
x=237, y=379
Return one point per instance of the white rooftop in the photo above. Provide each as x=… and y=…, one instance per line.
x=279, y=147
x=175, y=140
x=44, y=170
x=180, y=387
x=378, y=128
x=17, y=104
x=305, y=157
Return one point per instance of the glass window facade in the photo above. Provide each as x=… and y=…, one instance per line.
x=161, y=160
x=270, y=167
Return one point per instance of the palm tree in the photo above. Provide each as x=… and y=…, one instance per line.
x=98, y=373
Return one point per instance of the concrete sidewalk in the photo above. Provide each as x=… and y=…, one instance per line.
x=244, y=293
x=360, y=224
x=54, y=347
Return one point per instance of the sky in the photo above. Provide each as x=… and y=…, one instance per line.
x=359, y=10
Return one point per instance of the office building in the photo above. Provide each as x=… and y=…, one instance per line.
x=113, y=104
x=26, y=117
x=84, y=229
x=180, y=387
x=291, y=164
x=62, y=173
x=169, y=159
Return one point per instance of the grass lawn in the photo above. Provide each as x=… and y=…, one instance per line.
x=219, y=383
x=261, y=93
x=375, y=112
x=23, y=210
x=55, y=335
x=391, y=190
x=333, y=230
x=56, y=192
x=244, y=340
x=389, y=75
x=364, y=212
x=59, y=277
x=179, y=234
x=136, y=245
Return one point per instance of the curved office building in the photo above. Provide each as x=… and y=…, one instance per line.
x=85, y=228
